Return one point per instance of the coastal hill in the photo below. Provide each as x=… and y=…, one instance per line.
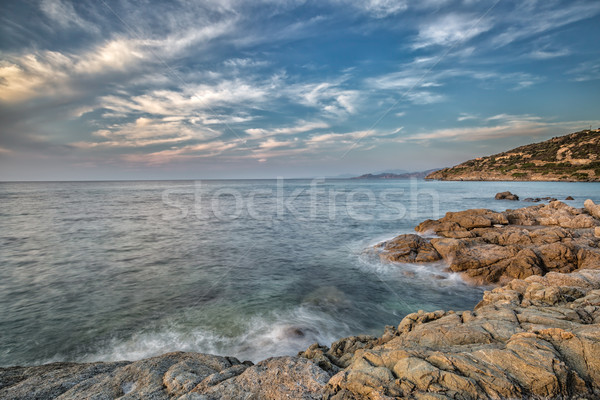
x=573, y=157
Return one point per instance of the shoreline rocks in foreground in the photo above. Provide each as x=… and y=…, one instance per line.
x=533, y=338
x=494, y=247
x=536, y=337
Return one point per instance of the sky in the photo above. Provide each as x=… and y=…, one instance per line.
x=210, y=89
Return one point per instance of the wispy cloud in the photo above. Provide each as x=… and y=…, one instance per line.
x=64, y=14
x=300, y=127
x=382, y=8
x=531, y=18
x=498, y=127
x=202, y=150
x=451, y=29
x=542, y=54
x=586, y=71
x=466, y=117
x=148, y=132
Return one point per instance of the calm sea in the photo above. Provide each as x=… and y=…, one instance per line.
x=254, y=268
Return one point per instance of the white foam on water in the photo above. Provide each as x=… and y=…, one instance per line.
x=434, y=274
x=274, y=334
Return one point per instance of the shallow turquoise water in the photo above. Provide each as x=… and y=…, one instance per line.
x=125, y=270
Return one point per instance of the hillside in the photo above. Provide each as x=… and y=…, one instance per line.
x=573, y=157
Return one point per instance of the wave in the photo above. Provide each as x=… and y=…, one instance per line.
x=269, y=335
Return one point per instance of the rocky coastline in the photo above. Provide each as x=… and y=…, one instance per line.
x=535, y=335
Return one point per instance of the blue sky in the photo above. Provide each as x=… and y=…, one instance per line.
x=122, y=89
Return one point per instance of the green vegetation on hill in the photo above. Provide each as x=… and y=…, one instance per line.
x=573, y=157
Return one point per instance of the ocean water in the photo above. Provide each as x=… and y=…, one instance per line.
x=255, y=268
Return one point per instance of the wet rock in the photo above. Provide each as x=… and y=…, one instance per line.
x=408, y=248
x=534, y=338
x=506, y=196
x=491, y=247
x=569, y=198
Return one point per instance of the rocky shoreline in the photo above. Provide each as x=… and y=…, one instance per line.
x=568, y=158
x=538, y=336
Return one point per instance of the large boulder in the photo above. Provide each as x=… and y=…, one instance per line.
x=408, y=249
x=593, y=209
x=506, y=196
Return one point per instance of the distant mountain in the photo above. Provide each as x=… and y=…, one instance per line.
x=341, y=176
x=573, y=157
x=389, y=175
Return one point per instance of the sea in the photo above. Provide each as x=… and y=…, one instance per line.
x=104, y=271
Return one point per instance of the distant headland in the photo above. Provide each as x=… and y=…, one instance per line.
x=391, y=175
x=573, y=157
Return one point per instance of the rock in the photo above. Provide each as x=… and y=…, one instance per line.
x=506, y=196
x=170, y=376
x=163, y=377
x=534, y=338
x=569, y=198
x=597, y=231
x=593, y=209
x=273, y=378
x=408, y=248
x=491, y=247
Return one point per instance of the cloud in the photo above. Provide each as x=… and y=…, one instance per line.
x=346, y=137
x=300, y=127
x=145, y=132
x=531, y=18
x=547, y=54
x=466, y=117
x=52, y=73
x=381, y=8
x=64, y=14
x=450, y=29
x=272, y=144
x=500, y=126
x=193, y=97
x=425, y=97
x=586, y=71
x=328, y=96
x=201, y=150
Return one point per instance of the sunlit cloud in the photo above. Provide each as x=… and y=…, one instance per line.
x=500, y=126
x=451, y=29
x=300, y=127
